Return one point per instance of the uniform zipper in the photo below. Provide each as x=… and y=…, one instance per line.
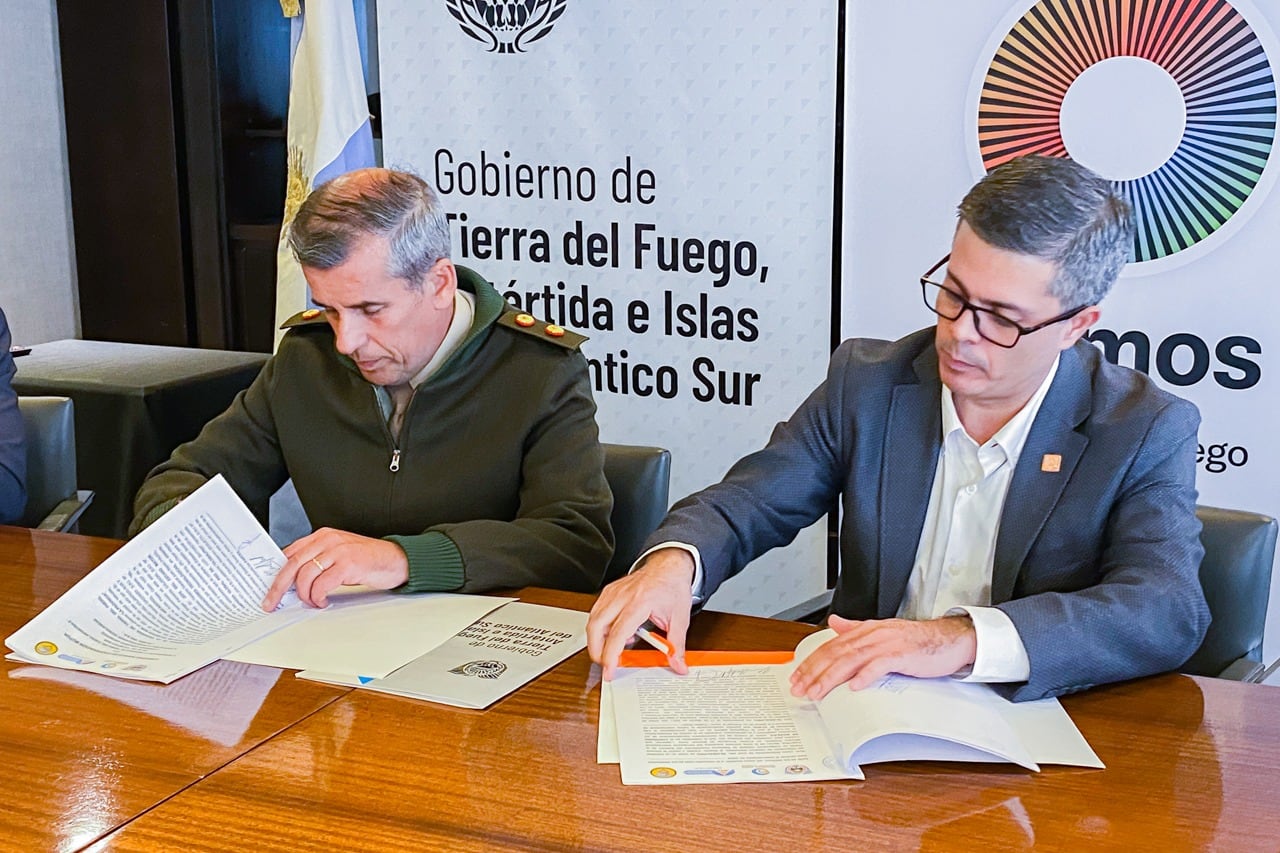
x=395, y=440
x=392, y=441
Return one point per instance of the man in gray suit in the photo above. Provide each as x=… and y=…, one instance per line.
x=13, y=445
x=1015, y=509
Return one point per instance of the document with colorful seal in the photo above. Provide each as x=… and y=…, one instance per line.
x=739, y=723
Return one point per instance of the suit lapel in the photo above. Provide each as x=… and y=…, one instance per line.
x=913, y=436
x=1034, y=491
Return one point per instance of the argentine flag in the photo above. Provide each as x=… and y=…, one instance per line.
x=328, y=130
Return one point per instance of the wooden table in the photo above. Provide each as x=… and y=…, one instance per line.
x=82, y=754
x=1192, y=764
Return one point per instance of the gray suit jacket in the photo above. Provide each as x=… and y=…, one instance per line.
x=13, y=445
x=1096, y=564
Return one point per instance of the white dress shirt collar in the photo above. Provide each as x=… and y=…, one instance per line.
x=463, y=316
x=1013, y=435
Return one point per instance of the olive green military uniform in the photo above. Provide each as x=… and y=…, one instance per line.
x=498, y=472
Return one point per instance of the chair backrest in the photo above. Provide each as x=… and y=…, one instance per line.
x=51, y=454
x=1239, y=548
x=640, y=478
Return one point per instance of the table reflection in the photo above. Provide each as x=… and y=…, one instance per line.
x=1181, y=784
x=216, y=703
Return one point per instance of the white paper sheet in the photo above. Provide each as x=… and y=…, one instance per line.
x=337, y=679
x=607, y=735
x=183, y=593
x=901, y=718
x=368, y=634
x=1049, y=734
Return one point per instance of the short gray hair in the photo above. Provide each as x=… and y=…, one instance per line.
x=398, y=206
x=1057, y=210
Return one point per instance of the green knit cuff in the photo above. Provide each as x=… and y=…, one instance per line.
x=156, y=511
x=435, y=564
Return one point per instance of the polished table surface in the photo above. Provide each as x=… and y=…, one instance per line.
x=134, y=404
x=82, y=754
x=1191, y=764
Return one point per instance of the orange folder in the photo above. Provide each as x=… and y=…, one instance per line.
x=653, y=657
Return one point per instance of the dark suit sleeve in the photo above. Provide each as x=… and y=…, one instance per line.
x=768, y=497
x=13, y=444
x=1146, y=613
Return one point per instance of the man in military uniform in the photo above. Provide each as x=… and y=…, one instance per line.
x=437, y=439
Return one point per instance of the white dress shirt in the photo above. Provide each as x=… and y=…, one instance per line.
x=391, y=399
x=954, y=560
x=956, y=553
x=464, y=312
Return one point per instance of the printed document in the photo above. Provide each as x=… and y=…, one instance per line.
x=365, y=634
x=724, y=724
x=183, y=593
x=188, y=591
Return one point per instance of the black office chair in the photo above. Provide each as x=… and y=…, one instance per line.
x=1239, y=548
x=640, y=478
x=53, y=502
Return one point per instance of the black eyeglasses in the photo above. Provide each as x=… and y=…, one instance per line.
x=991, y=325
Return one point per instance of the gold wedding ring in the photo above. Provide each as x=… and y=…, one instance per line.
x=319, y=565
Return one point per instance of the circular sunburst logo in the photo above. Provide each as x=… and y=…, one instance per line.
x=1172, y=100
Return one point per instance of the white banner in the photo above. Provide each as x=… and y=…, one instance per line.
x=657, y=176
x=1175, y=101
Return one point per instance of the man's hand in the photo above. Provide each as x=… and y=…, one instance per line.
x=322, y=561
x=865, y=652
x=658, y=591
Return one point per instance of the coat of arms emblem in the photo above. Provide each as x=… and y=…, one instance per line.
x=506, y=27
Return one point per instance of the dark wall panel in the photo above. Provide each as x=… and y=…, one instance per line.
x=122, y=151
